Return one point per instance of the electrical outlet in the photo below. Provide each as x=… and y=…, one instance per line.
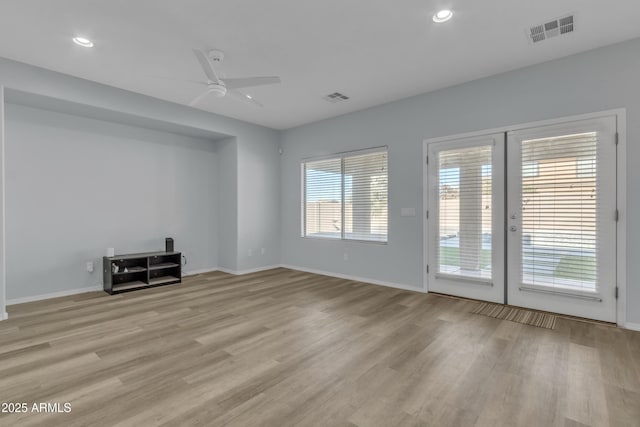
x=262, y=251
x=346, y=256
x=250, y=252
x=90, y=266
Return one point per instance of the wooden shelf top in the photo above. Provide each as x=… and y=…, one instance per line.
x=140, y=255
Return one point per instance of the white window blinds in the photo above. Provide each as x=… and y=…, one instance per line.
x=559, y=212
x=323, y=198
x=346, y=197
x=464, y=211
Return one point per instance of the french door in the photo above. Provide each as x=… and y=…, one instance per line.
x=465, y=233
x=554, y=246
x=561, y=220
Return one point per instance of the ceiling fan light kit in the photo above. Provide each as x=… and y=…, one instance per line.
x=83, y=41
x=442, y=16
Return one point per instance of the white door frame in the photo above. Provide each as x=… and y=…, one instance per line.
x=621, y=193
x=3, y=271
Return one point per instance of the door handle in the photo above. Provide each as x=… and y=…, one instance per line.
x=514, y=228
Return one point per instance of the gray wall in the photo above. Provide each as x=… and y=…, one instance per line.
x=75, y=186
x=258, y=215
x=601, y=79
x=228, y=210
x=247, y=229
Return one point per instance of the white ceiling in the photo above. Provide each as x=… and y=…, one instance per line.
x=373, y=51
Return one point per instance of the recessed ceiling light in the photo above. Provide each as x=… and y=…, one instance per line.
x=442, y=16
x=249, y=96
x=81, y=41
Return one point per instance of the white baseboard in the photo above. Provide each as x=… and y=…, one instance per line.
x=99, y=287
x=357, y=278
x=229, y=271
x=239, y=273
x=250, y=270
x=632, y=326
x=54, y=295
x=201, y=271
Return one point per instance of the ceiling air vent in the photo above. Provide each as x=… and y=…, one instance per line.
x=335, y=97
x=551, y=29
x=566, y=24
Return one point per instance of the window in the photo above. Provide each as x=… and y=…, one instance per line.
x=345, y=196
x=465, y=211
x=560, y=212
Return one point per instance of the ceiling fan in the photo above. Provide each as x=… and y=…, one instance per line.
x=220, y=87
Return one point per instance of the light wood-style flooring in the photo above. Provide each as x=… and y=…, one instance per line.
x=285, y=348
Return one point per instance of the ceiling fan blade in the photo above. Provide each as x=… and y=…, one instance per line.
x=243, y=97
x=237, y=83
x=206, y=65
x=199, y=98
x=198, y=82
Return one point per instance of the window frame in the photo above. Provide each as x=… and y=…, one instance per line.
x=341, y=156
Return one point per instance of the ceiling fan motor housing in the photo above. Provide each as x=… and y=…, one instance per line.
x=217, y=90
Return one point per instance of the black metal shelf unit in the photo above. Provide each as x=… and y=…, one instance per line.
x=125, y=273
